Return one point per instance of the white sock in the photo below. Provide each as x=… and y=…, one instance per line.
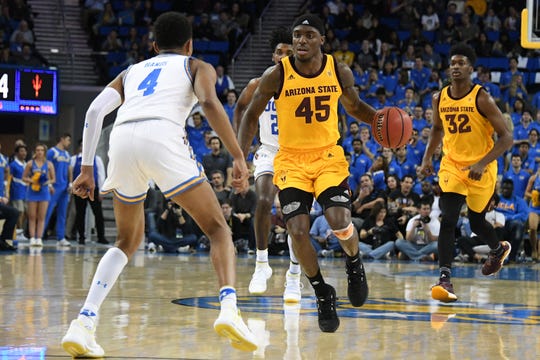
x=227, y=297
x=262, y=255
x=294, y=267
x=109, y=268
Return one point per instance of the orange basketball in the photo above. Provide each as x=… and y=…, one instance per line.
x=392, y=127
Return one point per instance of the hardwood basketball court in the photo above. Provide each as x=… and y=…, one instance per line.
x=163, y=307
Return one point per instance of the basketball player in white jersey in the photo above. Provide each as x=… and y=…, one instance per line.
x=149, y=141
x=281, y=44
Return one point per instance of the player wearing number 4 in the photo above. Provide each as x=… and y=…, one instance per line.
x=465, y=118
x=306, y=87
x=280, y=42
x=149, y=141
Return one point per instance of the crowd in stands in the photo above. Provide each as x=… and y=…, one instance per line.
x=17, y=37
x=398, y=52
x=121, y=31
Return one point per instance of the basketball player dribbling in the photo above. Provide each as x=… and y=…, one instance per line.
x=149, y=141
x=465, y=117
x=306, y=87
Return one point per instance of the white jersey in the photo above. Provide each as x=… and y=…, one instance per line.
x=161, y=85
x=268, y=125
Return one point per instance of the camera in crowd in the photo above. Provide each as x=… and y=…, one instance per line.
x=423, y=220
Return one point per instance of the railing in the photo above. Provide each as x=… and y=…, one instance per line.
x=248, y=39
x=69, y=54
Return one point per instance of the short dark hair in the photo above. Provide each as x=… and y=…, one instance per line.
x=281, y=35
x=63, y=136
x=172, y=30
x=465, y=50
x=426, y=200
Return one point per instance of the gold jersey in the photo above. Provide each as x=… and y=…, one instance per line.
x=468, y=135
x=307, y=107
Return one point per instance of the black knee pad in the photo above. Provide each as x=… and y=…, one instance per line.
x=335, y=196
x=294, y=202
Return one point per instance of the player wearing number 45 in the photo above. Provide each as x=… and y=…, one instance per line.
x=306, y=88
x=465, y=118
x=149, y=141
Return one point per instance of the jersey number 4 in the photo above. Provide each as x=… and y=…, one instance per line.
x=458, y=123
x=321, y=109
x=149, y=83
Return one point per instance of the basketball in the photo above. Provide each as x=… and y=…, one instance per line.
x=392, y=127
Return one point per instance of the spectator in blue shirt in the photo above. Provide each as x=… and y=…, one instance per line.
x=353, y=133
x=519, y=177
x=521, y=131
x=360, y=162
x=420, y=76
x=527, y=161
x=196, y=135
x=402, y=161
x=516, y=212
x=230, y=104
x=407, y=102
x=60, y=158
x=506, y=77
x=418, y=121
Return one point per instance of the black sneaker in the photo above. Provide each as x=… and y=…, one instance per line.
x=4, y=246
x=358, y=290
x=326, y=306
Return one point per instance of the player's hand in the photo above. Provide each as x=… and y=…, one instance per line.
x=427, y=167
x=84, y=185
x=240, y=175
x=475, y=171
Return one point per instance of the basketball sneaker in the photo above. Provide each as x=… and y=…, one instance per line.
x=326, y=307
x=495, y=262
x=39, y=242
x=229, y=324
x=64, y=242
x=357, y=289
x=443, y=291
x=80, y=341
x=257, y=285
x=293, y=286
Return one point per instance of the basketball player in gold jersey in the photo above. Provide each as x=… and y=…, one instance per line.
x=465, y=118
x=306, y=87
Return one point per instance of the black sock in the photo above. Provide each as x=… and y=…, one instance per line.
x=352, y=260
x=445, y=274
x=318, y=284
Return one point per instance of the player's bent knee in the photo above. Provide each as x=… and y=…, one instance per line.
x=345, y=233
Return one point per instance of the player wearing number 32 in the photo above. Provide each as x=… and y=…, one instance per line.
x=465, y=118
x=149, y=141
x=306, y=87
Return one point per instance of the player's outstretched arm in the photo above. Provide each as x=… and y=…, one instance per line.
x=205, y=78
x=267, y=87
x=350, y=99
x=107, y=100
